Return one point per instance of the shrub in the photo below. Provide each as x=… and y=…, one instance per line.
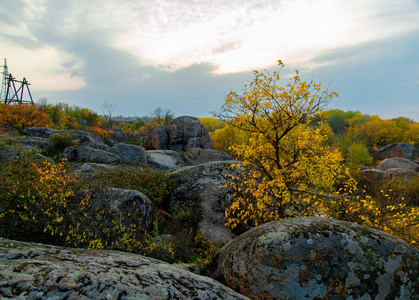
x=156, y=185
x=61, y=141
x=33, y=198
x=20, y=116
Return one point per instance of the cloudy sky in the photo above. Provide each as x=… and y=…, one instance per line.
x=186, y=55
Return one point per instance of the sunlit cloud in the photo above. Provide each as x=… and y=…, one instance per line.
x=45, y=68
x=254, y=34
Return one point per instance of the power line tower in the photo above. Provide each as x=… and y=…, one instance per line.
x=9, y=93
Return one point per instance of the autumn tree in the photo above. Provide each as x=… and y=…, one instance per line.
x=284, y=157
x=20, y=116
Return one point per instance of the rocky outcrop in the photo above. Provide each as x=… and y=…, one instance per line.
x=158, y=139
x=207, y=155
x=35, y=271
x=38, y=142
x=130, y=154
x=397, y=162
x=165, y=159
x=127, y=203
x=404, y=150
x=89, y=154
x=199, y=187
x=318, y=258
x=9, y=152
x=83, y=138
x=374, y=175
x=188, y=132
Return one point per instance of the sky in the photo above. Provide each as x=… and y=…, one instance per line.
x=187, y=55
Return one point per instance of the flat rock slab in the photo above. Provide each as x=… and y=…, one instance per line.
x=35, y=271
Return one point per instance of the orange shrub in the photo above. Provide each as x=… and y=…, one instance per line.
x=20, y=116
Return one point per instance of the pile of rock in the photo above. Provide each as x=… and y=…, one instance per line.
x=398, y=162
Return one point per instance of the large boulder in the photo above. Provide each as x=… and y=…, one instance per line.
x=398, y=162
x=9, y=152
x=188, y=132
x=374, y=175
x=318, y=258
x=199, y=188
x=130, y=204
x=165, y=159
x=404, y=150
x=89, y=154
x=158, y=138
x=38, y=142
x=35, y=271
x=84, y=138
x=207, y=155
x=129, y=154
x=39, y=132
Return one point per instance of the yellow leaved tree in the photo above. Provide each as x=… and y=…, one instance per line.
x=284, y=158
x=287, y=170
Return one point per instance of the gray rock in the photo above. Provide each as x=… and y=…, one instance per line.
x=310, y=258
x=200, y=186
x=129, y=154
x=39, y=132
x=374, y=175
x=404, y=150
x=35, y=271
x=401, y=173
x=9, y=152
x=117, y=135
x=38, y=142
x=182, y=129
x=207, y=155
x=84, y=138
x=130, y=203
x=88, y=154
x=158, y=139
x=165, y=159
x=90, y=169
x=398, y=162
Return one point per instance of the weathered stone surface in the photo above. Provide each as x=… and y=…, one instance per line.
x=84, y=138
x=318, y=258
x=90, y=169
x=158, y=139
x=89, y=154
x=126, y=202
x=9, y=152
x=405, y=150
x=165, y=159
x=35, y=271
x=200, y=186
x=397, y=162
x=130, y=154
x=39, y=132
x=38, y=142
x=207, y=155
x=401, y=173
x=117, y=135
x=374, y=175
x=184, y=128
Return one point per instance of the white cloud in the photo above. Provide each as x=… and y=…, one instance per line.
x=176, y=34
x=44, y=67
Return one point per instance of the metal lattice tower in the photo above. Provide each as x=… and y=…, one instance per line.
x=9, y=93
x=4, y=82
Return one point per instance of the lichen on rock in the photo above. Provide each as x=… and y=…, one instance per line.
x=305, y=258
